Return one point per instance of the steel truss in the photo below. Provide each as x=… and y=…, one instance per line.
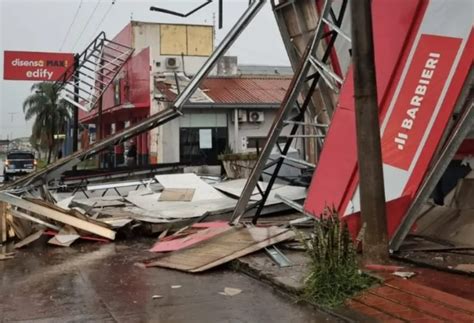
x=85, y=82
x=305, y=80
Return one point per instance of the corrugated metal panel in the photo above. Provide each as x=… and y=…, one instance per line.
x=246, y=90
x=236, y=90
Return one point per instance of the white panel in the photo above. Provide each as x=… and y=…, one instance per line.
x=395, y=180
x=203, y=191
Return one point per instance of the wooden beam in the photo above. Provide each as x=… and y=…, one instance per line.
x=3, y=222
x=57, y=216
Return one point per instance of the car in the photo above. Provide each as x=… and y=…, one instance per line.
x=18, y=163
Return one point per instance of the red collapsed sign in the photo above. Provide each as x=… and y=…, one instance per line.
x=35, y=66
x=418, y=99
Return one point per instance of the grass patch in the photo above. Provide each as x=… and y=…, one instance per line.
x=41, y=164
x=334, y=272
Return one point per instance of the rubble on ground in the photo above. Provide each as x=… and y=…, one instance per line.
x=184, y=211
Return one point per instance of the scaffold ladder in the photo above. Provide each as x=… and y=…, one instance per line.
x=305, y=80
x=85, y=82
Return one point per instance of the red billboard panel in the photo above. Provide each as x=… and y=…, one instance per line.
x=418, y=99
x=35, y=66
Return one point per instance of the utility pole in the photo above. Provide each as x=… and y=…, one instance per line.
x=372, y=193
x=75, y=127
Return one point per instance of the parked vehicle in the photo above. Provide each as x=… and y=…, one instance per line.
x=18, y=163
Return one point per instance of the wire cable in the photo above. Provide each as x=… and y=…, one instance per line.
x=70, y=26
x=104, y=16
x=87, y=24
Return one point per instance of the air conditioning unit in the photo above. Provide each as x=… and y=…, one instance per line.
x=172, y=63
x=256, y=116
x=242, y=116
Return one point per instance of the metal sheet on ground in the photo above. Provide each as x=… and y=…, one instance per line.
x=207, y=232
x=232, y=244
x=235, y=188
x=203, y=191
x=448, y=224
x=463, y=198
x=177, y=209
x=177, y=194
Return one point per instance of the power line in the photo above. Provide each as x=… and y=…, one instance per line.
x=70, y=26
x=87, y=24
x=104, y=16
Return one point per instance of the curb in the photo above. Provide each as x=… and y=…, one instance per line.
x=343, y=313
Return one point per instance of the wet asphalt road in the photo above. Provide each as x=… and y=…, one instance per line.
x=92, y=282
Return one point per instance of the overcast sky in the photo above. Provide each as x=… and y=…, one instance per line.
x=41, y=25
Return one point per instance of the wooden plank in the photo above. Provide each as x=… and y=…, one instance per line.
x=74, y=213
x=25, y=216
x=279, y=238
x=32, y=237
x=21, y=227
x=57, y=216
x=3, y=222
x=222, y=248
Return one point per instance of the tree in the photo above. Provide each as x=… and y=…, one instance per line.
x=50, y=112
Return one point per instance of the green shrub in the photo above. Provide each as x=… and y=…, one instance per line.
x=334, y=273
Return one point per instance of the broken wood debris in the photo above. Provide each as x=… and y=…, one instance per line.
x=176, y=242
x=31, y=238
x=231, y=244
x=55, y=214
x=65, y=237
x=7, y=256
x=229, y=291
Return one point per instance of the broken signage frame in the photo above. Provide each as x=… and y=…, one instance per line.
x=311, y=70
x=52, y=171
x=399, y=40
x=85, y=82
x=458, y=134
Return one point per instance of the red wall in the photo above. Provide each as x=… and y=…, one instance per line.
x=134, y=76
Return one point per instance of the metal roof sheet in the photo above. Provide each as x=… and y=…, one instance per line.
x=246, y=89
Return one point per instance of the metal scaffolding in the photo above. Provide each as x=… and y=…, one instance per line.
x=306, y=78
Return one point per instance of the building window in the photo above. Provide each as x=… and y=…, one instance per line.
x=202, y=146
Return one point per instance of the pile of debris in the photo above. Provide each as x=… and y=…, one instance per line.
x=189, y=213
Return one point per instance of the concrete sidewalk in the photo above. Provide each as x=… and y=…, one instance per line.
x=431, y=296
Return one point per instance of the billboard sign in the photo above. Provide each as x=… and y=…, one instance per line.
x=35, y=66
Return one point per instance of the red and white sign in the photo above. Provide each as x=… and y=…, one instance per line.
x=35, y=66
x=422, y=64
x=416, y=102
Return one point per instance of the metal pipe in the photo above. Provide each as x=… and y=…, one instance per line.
x=75, y=127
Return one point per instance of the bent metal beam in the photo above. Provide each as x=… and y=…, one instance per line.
x=51, y=172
